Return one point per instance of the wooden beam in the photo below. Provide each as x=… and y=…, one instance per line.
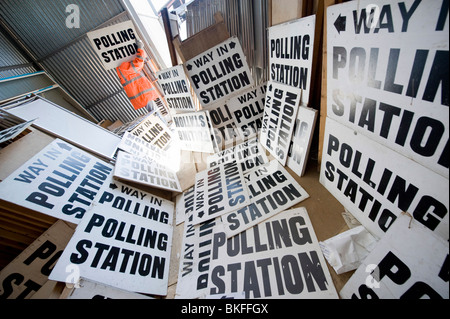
x=169, y=36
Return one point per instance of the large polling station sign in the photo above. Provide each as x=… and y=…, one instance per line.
x=176, y=89
x=291, y=53
x=377, y=184
x=130, y=251
x=219, y=72
x=388, y=75
x=277, y=258
x=391, y=271
x=114, y=44
x=60, y=181
x=194, y=131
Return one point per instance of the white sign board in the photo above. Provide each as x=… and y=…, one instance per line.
x=280, y=112
x=193, y=131
x=219, y=72
x=409, y=262
x=114, y=44
x=185, y=205
x=278, y=258
x=249, y=155
x=224, y=190
x=176, y=89
x=272, y=190
x=153, y=131
x=375, y=184
x=92, y=290
x=143, y=170
x=118, y=249
x=247, y=109
x=193, y=273
x=14, y=131
x=223, y=126
x=291, y=53
x=60, y=181
x=301, y=140
x=388, y=75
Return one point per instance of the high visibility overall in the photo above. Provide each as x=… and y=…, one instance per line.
x=139, y=89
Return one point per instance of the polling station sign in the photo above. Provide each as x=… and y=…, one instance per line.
x=223, y=190
x=291, y=47
x=219, y=72
x=223, y=126
x=247, y=110
x=28, y=272
x=154, y=131
x=193, y=131
x=193, y=272
x=277, y=258
x=143, y=170
x=280, y=112
x=122, y=250
x=272, y=190
x=114, y=44
x=249, y=155
x=388, y=75
x=60, y=181
x=376, y=183
x=301, y=140
x=14, y=131
x=409, y=262
x=176, y=89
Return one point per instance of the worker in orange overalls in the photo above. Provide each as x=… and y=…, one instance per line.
x=139, y=89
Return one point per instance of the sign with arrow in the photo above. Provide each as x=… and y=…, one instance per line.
x=388, y=75
x=291, y=47
x=219, y=72
x=61, y=181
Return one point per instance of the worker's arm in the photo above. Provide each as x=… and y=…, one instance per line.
x=138, y=62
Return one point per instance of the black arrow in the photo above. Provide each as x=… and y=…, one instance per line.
x=201, y=214
x=270, y=88
x=113, y=186
x=340, y=23
x=65, y=146
x=232, y=45
x=189, y=67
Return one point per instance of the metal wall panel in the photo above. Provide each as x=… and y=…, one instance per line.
x=12, y=62
x=65, y=53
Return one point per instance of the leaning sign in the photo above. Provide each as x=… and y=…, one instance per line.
x=114, y=44
x=388, y=75
x=194, y=133
x=119, y=249
x=219, y=72
x=291, y=54
x=60, y=181
x=391, y=271
x=278, y=258
x=376, y=184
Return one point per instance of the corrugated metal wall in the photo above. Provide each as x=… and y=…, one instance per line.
x=246, y=19
x=12, y=61
x=65, y=53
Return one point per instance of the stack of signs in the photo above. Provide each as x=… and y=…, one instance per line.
x=282, y=103
x=247, y=110
x=194, y=132
x=176, y=89
x=386, y=138
x=219, y=72
x=144, y=170
x=154, y=131
x=114, y=44
x=224, y=127
x=391, y=271
x=124, y=242
x=61, y=181
x=291, y=54
x=14, y=131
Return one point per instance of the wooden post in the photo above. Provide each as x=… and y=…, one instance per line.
x=169, y=36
